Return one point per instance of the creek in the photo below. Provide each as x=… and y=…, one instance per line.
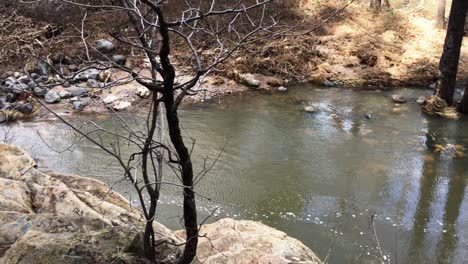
x=325, y=178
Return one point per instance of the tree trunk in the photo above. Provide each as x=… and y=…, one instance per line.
x=449, y=61
x=441, y=14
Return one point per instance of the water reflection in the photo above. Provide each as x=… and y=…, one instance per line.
x=441, y=173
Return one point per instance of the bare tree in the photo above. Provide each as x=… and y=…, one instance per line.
x=448, y=65
x=225, y=26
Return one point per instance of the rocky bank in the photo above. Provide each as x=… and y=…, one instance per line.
x=48, y=217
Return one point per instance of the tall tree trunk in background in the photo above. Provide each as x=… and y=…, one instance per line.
x=441, y=14
x=376, y=5
x=449, y=61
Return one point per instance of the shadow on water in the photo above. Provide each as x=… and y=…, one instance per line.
x=441, y=172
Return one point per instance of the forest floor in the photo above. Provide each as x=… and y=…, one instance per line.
x=356, y=47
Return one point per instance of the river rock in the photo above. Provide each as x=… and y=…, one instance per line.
x=65, y=94
x=119, y=59
x=24, y=79
x=25, y=108
x=40, y=91
x=143, y=92
x=282, y=89
x=78, y=105
x=249, y=79
x=421, y=100
x=121, y=105
x=104, y=45
x=16, y=75
x=3, y=117
x=368, y=116
x=52, y=97
x=328, y=83
x=309, y=109
x=77, y=91
x=398, y=99
x=245, y=242
x=110, y=99
x=87, y=75
x=91, y=83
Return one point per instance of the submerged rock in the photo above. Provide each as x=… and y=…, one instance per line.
x=309, y=109
x=398, y=99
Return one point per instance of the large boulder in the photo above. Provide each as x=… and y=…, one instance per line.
x=58, y=218
x=243, y=242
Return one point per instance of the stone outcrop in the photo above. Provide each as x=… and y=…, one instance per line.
x=244, y=242
x=58, y=218
x=48, y=217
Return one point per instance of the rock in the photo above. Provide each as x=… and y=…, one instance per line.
x=246, y=242
x=86, y=75
x=51, y=97
x=64, y=94
x=119, y=59
x=25, y=108
x=20, y=88
x=309, y=109
x=110, y=99
x=73, y=67
x=10, y=98
x=207, y=98
x=42, y=68
x=66, y=84
x=249, y=79
x=328, y=83
x=59, y=218
x=16, y=75
x=433, y=86
x=143, y=92
x=104, y=45
x=282, y=89
x=77, y=91
x=368, y=116
x=40, y=91
x=91, y=83
x=398, y=99
x=421, y=100
x=121, y=105
x=3, y=117
x=31, y=84
x=86, y=101
x=78, y=105
x=24, y=79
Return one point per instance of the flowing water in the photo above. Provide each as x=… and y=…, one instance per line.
x=327, y=178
